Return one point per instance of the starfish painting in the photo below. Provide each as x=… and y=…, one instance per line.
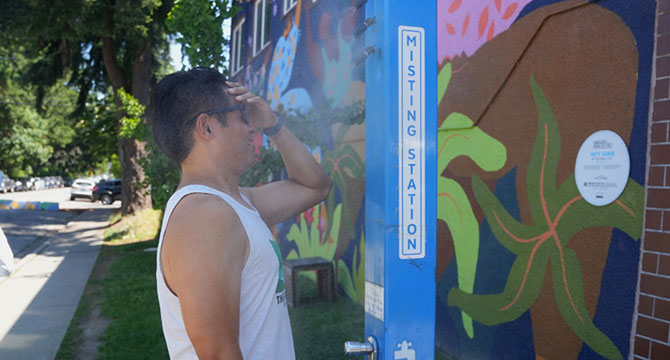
x=557, y=213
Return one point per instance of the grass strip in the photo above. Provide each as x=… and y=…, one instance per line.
x=320, y=328
x=130, y=302
x=122, y=287
x=122, y=291
x=120, y=295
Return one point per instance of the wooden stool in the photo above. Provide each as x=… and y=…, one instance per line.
x=325, y=278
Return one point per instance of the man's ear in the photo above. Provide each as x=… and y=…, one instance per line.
x=203, y=126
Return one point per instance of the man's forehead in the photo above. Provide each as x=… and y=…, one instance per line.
x=231, y=98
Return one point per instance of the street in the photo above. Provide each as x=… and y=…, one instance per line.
x=59, y=195
x=26, y=228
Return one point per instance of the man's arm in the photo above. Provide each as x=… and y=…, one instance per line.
x=307, y=184
x=202, y=263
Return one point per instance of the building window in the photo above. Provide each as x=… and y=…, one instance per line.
x=289, y=5
x=237, y=48
x=262, y=14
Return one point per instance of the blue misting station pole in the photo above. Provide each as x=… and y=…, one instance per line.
x=401, y=179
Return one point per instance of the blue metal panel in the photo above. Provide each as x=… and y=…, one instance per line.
x=404, y=320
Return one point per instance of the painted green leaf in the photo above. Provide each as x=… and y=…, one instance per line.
x=342, y=165
x=545, y=153
x=521, y=290
x=557, y=215
x=456, y=120
x=487, y=152
x=353, y=282
x=333, y=233
x=443, y=79
x=624, y=213
x=298, y=234
x=456, y=137
x=566, y=272
x=509, y=235
x=312, y=241
x=454, y=208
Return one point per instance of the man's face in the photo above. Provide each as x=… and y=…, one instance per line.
x=237, y=141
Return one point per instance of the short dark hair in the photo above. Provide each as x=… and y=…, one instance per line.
x=178, y=98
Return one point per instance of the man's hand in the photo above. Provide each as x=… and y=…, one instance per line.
x=260, y=113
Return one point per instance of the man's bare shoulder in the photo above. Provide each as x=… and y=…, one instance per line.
x=196, y=211
x=204, y=239
x=206, y=219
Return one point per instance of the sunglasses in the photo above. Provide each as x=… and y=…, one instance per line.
x=241, y=107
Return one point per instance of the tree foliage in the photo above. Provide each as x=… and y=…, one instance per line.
x=94, y=145
x=93, y=48
x=31, y=129
x=199, y=25
x=131, y=124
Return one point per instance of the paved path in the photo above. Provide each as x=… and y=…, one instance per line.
x=26, y=228
x=38, y=300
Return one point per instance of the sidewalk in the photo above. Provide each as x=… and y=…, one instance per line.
x=38, y=300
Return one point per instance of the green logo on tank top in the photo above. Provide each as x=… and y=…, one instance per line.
x=280, y=281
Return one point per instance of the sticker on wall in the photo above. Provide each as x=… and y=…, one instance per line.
x=374, y=300
x=602, y=168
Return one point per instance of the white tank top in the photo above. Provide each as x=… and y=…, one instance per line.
x=265, y=329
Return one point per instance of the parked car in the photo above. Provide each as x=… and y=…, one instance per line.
x=22, y=184
x=82, y=188
x=7, y=184
x=107, y=191
x=38, y=183
x=55, y=182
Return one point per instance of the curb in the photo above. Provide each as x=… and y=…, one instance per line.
x=28, y=205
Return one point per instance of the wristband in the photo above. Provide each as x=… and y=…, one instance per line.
x=275, y=129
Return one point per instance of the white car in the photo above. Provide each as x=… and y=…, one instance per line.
x=82, y=188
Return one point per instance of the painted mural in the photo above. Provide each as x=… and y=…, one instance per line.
x=526, y=268
x=307, y=72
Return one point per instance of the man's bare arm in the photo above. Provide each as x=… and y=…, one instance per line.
x=202, y=262
x=307, y=184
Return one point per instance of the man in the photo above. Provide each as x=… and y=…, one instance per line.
x=219, y=270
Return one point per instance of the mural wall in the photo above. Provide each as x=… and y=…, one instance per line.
x=306, y=70
x=526, y=268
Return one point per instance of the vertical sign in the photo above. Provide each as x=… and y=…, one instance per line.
x=401, y=178
x=411, y=135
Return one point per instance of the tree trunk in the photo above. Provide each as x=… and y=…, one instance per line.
x=133, y=197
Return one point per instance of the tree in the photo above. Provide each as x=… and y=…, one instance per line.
x=94, y=145
x=199, y=25
x=98, y=43
x=30, y=133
